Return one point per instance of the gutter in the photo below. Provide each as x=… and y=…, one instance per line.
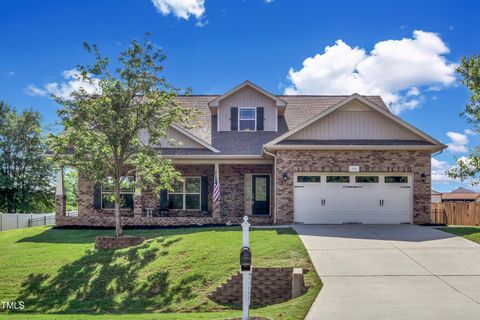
x=274, y=184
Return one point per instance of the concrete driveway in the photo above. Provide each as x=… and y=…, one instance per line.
x=392, y=272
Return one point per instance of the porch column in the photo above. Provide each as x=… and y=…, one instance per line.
x=216, y=204
x=137, y=198
x=60, y=196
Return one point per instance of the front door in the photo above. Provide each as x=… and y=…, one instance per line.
x=260, y=194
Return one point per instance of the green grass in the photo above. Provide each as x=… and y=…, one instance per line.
x=59, y=274
x=470, y=233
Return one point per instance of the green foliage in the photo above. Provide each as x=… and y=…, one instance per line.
x=470, y=233
x=469, y=69
x=26, y=183
x=59, y=274
x=71, y=188
x=112, y=128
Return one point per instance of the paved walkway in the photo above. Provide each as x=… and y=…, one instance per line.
x=392, y=272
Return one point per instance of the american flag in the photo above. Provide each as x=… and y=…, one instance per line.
x=216, y=189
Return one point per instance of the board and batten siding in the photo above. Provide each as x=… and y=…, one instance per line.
x=173, y=139
x=248, y=98
x=354, y=122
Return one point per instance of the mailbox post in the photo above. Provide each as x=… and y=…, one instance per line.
x=246, y=268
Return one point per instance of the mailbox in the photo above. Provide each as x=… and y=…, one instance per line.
x=245, y=259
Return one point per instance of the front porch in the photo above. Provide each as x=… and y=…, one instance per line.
x=245, y=188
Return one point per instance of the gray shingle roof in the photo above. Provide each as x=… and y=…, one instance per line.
x=299, y=109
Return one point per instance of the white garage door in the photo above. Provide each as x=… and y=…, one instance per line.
x=335, y=198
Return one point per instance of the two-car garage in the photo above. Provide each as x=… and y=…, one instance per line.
x=336, y=198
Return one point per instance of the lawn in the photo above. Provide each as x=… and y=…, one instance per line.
x=470, y=233
x=59, y=275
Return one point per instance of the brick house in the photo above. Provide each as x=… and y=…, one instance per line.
x=281, y=160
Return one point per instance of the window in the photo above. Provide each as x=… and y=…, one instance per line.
x=396, y=179
x=247, y=119
x=127, y=189
x=338, y=179
x=366, y=179
x=185, y=194
x=308, y=179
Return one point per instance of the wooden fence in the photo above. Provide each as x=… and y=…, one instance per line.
x=456, y=213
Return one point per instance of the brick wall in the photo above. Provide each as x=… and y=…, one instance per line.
x=231, y=202
x=291, y=161
x=269, y=286
x=232, y=187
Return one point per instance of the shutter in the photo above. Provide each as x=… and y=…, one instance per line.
x=234, y=119
x=163, y=199
x=97, y=197
x=260, y=119
x=204, y=195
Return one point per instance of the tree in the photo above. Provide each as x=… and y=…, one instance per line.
x=71, y=189
x=469, y=167
x=113, y=123
x=26, y=177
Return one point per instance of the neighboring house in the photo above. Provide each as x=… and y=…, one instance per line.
x=282, y=160
x=436, y=196
x=461, y=195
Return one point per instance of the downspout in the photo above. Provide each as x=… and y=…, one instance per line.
x=274, y=184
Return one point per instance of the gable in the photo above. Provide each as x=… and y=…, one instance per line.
x=247, y=97
x=355, y=121
x=176, y=139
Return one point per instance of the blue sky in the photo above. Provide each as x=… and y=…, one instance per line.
x=213, y=45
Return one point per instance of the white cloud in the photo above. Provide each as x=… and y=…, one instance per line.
x=394, y=69
x=183, y=9
x=459, y=141
x=73, y=83
x=11, y=73
x=33, y=90
x=439, y=169
x=469, y=132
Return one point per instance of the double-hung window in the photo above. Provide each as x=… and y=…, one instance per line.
x=185, y=194
x=127, y=189
x=247, y=119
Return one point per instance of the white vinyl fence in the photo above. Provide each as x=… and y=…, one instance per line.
x=10, y=221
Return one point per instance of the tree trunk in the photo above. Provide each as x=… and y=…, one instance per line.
x=118, y=217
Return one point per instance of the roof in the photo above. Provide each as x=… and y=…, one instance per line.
x=299, y=109
x=460, y=196
x=358, y=142
x=462, y=190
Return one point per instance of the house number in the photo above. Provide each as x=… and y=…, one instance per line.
x=353, y=168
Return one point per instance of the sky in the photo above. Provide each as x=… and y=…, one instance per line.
x=405, y=51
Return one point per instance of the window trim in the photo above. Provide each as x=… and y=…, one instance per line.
x=184, y=194
x=400, y=176
x=369, y=176
x=338, y=175
x=255, y=119
x=132, y=192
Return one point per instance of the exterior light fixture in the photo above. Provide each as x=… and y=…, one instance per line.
x=285, y=176
x=423, y=176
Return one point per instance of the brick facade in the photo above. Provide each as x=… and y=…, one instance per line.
x=416, y=162
x=269, y=286
x=230, y=208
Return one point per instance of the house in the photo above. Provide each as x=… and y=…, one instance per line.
x=281, y=160
x=436, y=196
x=461, y=195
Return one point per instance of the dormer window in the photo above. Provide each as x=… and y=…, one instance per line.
x=247, y=118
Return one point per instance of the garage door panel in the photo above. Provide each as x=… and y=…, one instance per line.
x=335, y=203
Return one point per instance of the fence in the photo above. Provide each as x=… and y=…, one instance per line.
x=456, y=213
x=10, y=221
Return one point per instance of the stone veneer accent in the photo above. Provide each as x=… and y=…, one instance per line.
x=416, y=162
x=269, y=286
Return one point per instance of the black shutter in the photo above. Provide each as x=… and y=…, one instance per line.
x=163, y=199
x=97, y=197
x=260, y=119
x=234, y=119
x=204, y=195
